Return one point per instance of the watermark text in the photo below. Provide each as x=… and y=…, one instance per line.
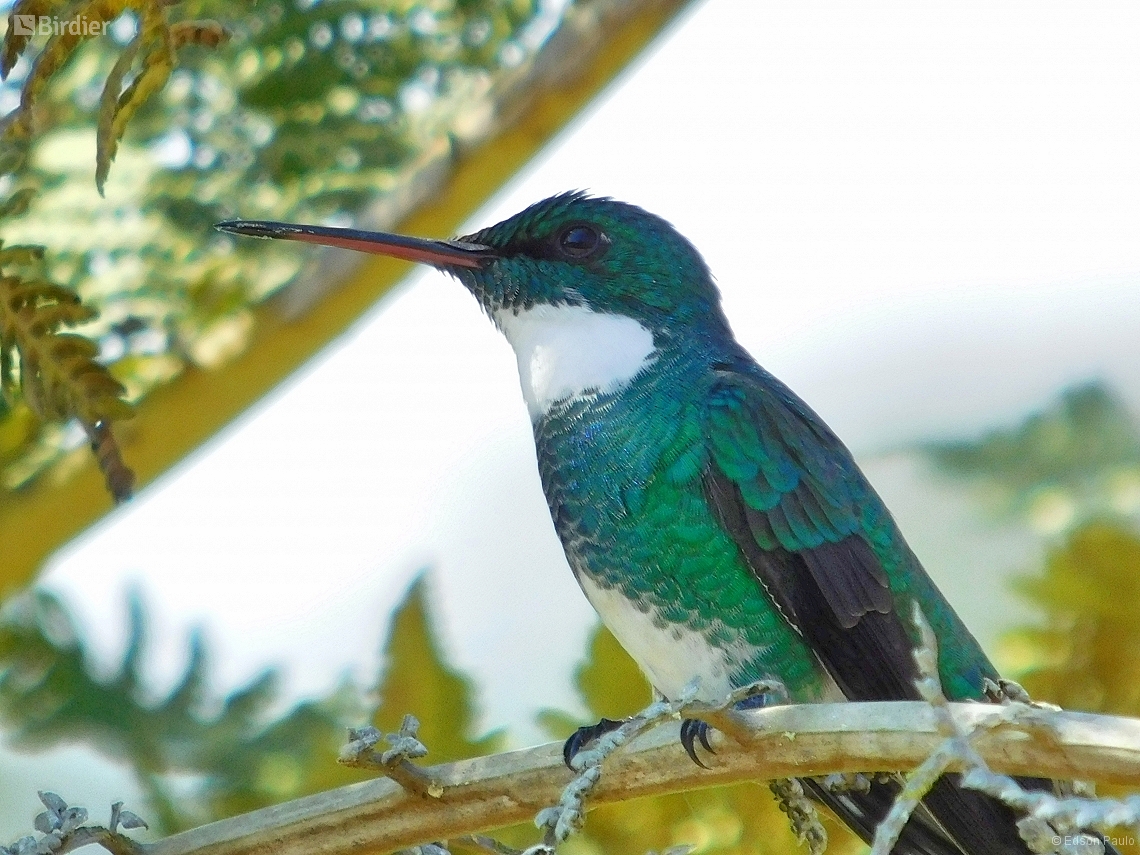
x=1088, y=840
x=49, y=25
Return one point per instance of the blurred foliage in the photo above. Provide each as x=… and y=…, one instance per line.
x=52, y=693
x=1085, y=654
x=417, y=679
x=59, y=378
x=741, y=819
x=1073, y=461
x=308, y=111
x=154, y=44
x=237, y=753
x=1072, y=471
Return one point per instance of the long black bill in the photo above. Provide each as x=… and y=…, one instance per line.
x=440, y=253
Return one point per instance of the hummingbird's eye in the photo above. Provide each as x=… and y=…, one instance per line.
x=581, y=241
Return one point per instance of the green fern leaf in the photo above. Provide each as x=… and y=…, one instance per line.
x=59, y=375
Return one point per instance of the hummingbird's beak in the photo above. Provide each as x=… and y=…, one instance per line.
x=439, y=253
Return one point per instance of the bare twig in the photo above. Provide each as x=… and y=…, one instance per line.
x=919, y=782
x=395, y=761
x=1051, y=823
x=63, y=828
x=567, y=816
x=561, y=820
x=487, y=844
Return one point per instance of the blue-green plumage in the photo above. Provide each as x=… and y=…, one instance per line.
x=701, y=489
x=719, y=527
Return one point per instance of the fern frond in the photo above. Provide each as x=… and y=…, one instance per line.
x=162, y=40
x=55, y=54
x=116, y=109
x=119, y=477
x=202, y=33
x=157, y=41
x=59, y=376
x=14, y=43
x=106, y=137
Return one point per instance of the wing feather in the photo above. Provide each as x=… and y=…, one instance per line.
x=810, y=531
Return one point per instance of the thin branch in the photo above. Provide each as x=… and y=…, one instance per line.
x=1049, y=823
x=395, y=762
x=63, y=828
x=1056, y=823
x=786, y=741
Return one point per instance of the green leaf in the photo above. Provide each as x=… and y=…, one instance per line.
x=240, y=757
x=1085, y=653
x=1086, y=432
x=417, y=679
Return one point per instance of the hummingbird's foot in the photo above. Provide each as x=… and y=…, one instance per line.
x=855, y=782
x=583, y=736
x=1004, y=692
x=1008, y=692
x=693, y=730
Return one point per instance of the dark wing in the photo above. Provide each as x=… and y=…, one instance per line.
x=792, y=499
x=808, y=524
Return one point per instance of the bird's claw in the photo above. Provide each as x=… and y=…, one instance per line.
x=1005, y=692
x=693, y=730
x=583, y=736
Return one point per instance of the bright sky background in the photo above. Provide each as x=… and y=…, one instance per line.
x=924, y=217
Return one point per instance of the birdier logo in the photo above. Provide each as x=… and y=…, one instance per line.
x=48, y=25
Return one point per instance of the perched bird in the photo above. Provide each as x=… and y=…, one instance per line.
x=720, y=529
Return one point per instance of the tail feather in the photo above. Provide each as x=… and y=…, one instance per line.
x=862, y=812
x=951, y=821
x=979, y=823
x=982, y=824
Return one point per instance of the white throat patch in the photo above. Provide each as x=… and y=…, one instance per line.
x=565, y=352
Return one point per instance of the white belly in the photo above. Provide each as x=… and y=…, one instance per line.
x=672, y=657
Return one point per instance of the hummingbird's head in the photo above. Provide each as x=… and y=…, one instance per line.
x=597, y=253
x=588, y=291
x=569, y=250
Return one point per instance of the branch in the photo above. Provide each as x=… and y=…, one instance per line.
x=779, y=742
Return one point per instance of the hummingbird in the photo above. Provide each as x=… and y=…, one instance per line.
x=720, y=529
